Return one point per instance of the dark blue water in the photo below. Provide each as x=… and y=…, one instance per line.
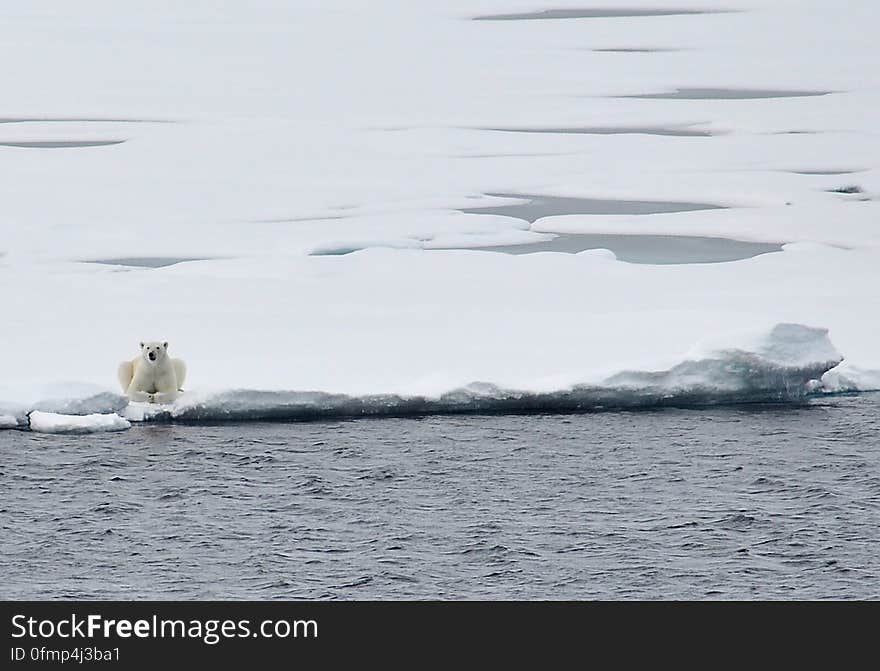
x=775, y=502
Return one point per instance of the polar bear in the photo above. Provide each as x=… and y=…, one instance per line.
x=153, y=376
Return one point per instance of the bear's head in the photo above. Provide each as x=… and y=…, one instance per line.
x=154, y=351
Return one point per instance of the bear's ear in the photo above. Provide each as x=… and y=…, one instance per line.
x=142, y=345
x=165, y=344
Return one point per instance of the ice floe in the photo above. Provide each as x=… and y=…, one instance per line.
x=51, y=422
x=307, y=243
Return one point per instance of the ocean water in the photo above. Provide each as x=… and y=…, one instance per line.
x=738, y=502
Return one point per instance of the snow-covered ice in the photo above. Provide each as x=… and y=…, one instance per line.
x=240, y=142
x=51, y=422
x=784, y=364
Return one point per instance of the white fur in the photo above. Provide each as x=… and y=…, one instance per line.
x=156, y=380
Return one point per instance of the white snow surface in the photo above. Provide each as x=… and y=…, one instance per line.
x=51, y=422
x=784, y=364
x=247, y=139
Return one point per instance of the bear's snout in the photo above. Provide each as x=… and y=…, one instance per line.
x=152, y=356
